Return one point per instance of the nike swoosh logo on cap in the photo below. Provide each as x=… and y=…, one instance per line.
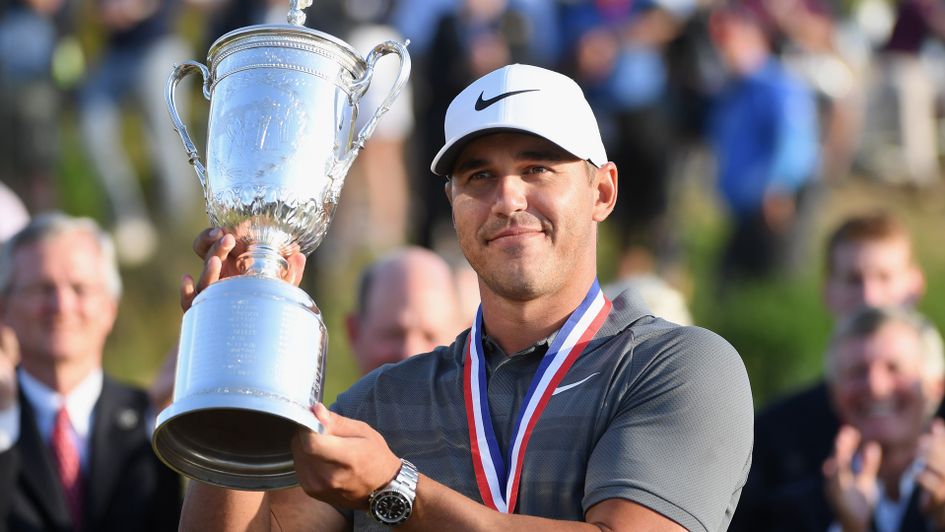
x=567, y=387
x=482, y=104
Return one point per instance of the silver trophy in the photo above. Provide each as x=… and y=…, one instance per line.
x=281, y=137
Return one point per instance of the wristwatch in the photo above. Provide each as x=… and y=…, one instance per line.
x=392, y=504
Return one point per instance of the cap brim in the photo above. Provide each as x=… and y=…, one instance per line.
x=446, y=157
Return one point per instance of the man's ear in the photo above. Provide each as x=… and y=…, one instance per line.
x=605, y=185
x=448, y=190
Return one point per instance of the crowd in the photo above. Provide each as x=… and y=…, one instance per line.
x=783, y=98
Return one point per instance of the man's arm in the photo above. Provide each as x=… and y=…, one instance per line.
x=210, y=508
x=436, y=504
x=349, y=460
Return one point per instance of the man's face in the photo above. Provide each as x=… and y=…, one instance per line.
x=406, y=314
x=524, y=212
x=58, y=304
x=872, y=273
x=880, y=387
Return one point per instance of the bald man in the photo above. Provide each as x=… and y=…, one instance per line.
x=408, y=304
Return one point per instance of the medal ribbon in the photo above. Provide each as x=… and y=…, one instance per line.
x=498, y=485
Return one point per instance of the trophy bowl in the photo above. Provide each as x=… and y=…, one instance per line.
x=280, y=140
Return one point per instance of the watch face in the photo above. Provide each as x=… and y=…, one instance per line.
x=391, y=507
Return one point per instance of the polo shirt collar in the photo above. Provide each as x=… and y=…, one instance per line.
x=628, y=307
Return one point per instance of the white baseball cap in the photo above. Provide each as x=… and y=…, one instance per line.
x=522, y=98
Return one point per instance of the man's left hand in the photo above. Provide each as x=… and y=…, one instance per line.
x=345, y=464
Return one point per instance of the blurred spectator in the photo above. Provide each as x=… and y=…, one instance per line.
x=901, y=142
x=140, y=49
x=407, y=304
x=30, y=31
x=885, y=373
x=375, y=203
x=764, y=134
x=815, y=44
x=417, y=19
x=869, y=261
x=14, y=213
x=615, y=50
x=75, y=446
x=663, y=300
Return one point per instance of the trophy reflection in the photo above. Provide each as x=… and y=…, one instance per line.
x=281, y=138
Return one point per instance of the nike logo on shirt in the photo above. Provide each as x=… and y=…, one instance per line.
x=567, y=387
x=482, y=104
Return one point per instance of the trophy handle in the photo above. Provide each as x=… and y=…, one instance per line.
x=358, y=89
x=180, y=72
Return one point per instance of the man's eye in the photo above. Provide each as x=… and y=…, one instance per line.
x=537, y=170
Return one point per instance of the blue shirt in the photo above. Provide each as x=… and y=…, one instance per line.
x=763, y=129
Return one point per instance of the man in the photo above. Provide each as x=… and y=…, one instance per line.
x=603, y=413
x=407, y=304
x=75, y=450
x=885, y=373
x=763, y=130
x=869, y=262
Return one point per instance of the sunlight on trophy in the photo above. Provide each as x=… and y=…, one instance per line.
x=280, y=140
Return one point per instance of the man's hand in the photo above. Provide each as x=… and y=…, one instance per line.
x=345, y=464
x=9, y=358
x=852, y=493
x=219, y=252
x=932, y=477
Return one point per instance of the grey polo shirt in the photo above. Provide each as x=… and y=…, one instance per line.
x=651, y=412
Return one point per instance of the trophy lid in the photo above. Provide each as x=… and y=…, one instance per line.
x=290, y=36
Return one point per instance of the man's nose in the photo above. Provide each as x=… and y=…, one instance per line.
x=873, y=294
x=511, y=195
x=61, y=298
x=880, y=382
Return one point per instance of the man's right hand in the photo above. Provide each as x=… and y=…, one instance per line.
x=219, y=252
x=9, y=358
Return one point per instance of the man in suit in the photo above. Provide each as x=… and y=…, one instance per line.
x=75, y=449
x=869, y=261
x=885, y=377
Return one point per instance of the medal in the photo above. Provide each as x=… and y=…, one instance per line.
x=498, y=484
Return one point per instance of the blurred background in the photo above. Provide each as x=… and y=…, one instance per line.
x=856, y=123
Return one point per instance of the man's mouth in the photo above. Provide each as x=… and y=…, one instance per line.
x=513, y=232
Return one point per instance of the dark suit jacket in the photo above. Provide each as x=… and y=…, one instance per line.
x=793, y=437
x=126, y=486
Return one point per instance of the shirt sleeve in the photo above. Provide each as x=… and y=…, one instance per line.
x=9, y=427
x=679, y=441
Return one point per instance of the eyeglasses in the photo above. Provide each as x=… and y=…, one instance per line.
x=43, y=291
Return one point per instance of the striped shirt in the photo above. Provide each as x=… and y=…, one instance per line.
x=651, y=412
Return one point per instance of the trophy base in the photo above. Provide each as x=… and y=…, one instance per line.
x=249, y=369
x=232, y=441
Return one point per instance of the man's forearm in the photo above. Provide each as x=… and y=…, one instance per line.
x=209, y=508
x=437, y=507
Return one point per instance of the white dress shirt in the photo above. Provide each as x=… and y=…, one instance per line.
x=80, y=404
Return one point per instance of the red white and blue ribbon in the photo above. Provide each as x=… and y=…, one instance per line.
x=498, y=484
